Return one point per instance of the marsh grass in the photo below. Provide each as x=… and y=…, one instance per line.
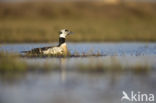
x=11, y=63
x=97, y=66
x=14, y=63
x=101, y=68
x=114, y=66
x=90, y=21
x=141, y=69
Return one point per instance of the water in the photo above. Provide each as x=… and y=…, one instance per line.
x=75, y=88
x=67, y=86
x=132, y=49
x=126, y=53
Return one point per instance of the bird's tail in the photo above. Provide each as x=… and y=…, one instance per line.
x=24, y=51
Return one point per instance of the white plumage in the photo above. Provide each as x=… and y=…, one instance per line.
x=54, y=51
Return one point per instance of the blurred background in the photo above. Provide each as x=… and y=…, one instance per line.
x=90, y=20
x=97, y=72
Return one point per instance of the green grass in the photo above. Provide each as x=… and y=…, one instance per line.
x=90, y=21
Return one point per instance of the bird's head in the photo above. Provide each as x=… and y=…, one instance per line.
x=64, y=33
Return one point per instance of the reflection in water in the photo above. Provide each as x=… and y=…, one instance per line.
x=63, y=68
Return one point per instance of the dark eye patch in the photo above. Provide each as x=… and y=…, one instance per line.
x=66, y=30
x=60, y=32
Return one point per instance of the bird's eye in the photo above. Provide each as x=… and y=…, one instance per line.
x=60, y=32
x=66, y=30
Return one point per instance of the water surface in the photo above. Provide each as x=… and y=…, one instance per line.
x=68, y=86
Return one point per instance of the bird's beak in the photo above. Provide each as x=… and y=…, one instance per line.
x=70, y=32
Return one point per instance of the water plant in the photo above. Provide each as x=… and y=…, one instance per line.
x=11, y=63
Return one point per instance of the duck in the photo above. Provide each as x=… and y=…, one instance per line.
x=59, y=50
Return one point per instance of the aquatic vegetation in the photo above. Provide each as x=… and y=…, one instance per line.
x=114, y=66
x=100, y=66
x=138, y=69
x=11, y=63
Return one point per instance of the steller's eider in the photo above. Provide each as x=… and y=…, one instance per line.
x=59, y=50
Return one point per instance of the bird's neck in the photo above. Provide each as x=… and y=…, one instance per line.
x=61, y=41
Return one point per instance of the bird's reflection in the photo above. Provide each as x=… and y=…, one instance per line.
x=63, y=68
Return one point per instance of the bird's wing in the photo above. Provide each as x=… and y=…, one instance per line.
x=37, y=50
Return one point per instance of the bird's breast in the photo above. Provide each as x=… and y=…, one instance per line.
x=53, y=51
x=65, y=49
x=62, y=50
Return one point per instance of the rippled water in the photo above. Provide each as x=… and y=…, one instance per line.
x=67, y=86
